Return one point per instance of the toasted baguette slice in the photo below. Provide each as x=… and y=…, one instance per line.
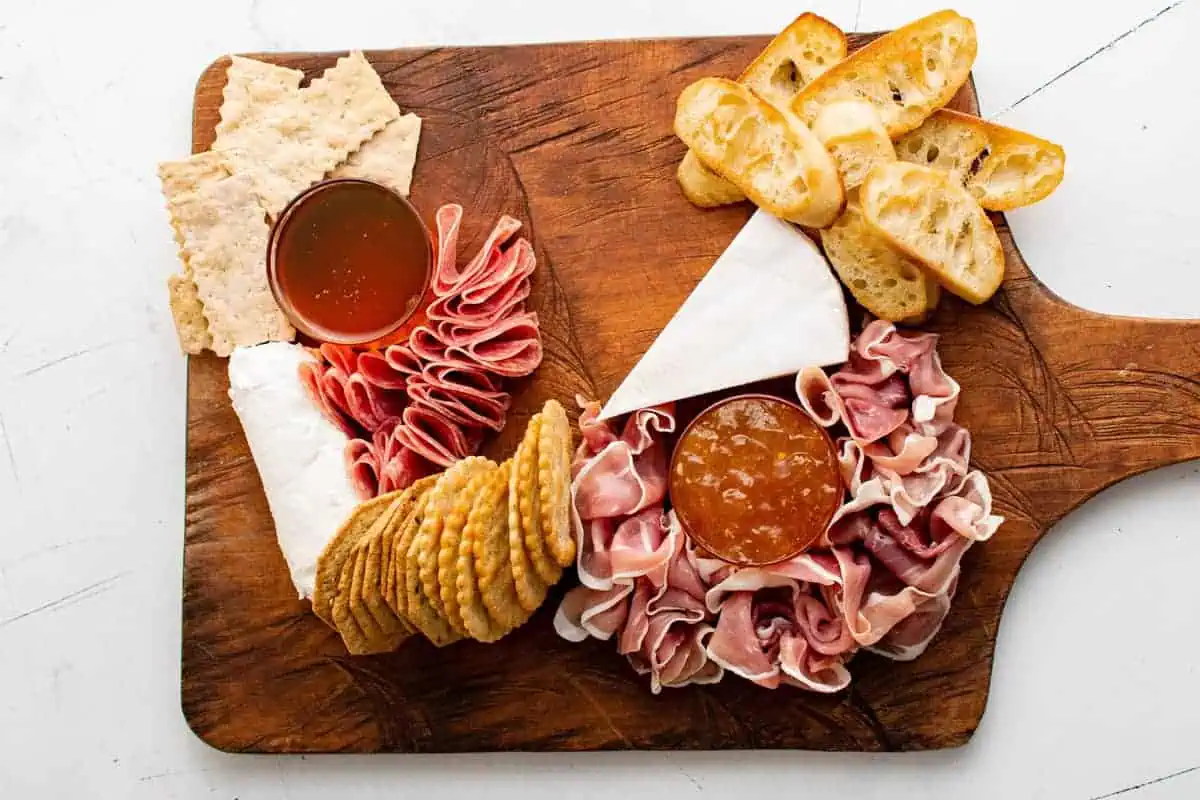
x=794, y=58
x=854, y=135
x=801, y=52
x=928, y=215
x=906, y=74
x=772, y=157
x=881, y=277
x=1003, y=168
x=702, y=186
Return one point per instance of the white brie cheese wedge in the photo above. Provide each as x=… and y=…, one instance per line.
x=769, y=306
x=298, y=452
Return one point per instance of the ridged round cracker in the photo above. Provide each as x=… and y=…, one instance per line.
x=493, y=563
x=448, y=547
x=522, y=486
x=410, y=498
x=329, y=563
x=448, y=508
x=554, y=484
x=489, y=511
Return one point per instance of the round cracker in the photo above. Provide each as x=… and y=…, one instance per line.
x=447, y=510
x=531, y=589
x=410, y=498
x=448, y=547
x=554, y=483
x=493, y=563
x=488, y=512
x=418, y=608
x=333, y=557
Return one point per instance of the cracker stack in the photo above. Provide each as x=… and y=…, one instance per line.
x=469, y=553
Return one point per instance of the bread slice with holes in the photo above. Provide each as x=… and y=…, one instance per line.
x=931, y=217
x=882, y=278
x=772, y=157
x=703, y=187
x=801, y=52
x=1003, y=168
x=854, y=135
x=906, y=74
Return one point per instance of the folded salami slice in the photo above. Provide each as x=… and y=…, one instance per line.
x=512, y=348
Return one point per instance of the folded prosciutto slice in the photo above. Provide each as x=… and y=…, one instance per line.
x=881, y=578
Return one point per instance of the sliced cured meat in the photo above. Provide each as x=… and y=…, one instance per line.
x=460, y=403
x=432, y=436
x=498, y=293
x=511, y=348
x=445, y=269
x=363, y=467
x=378, y=371
x=312, y=376
x=369, y=405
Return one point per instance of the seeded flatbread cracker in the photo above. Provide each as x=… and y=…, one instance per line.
x=188, y=311
x=448, y=547
x=300, y=136
x=377, y=640
x=400, y=550
x=222, y=234
x=447, y=511
x=554, y=483
x=388, y=157
x=344, y=620
x=531, y=588
x=338, y=549
x=394, y=628
x=488, y=517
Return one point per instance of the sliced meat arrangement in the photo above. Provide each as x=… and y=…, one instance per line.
x=413, y=408
x=881, y=578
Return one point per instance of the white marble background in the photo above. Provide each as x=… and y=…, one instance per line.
x=1096, y=684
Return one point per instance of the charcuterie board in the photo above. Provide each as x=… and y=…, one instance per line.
x=575, y=139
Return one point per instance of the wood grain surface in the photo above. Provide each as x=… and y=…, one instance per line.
x=575, y=139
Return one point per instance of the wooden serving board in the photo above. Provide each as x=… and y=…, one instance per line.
x=575, y=139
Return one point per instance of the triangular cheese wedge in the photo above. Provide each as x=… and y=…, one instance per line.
x=768, y=307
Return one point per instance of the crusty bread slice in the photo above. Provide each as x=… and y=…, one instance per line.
x=882, y=278
x=794, y=58
x=801, y=52
x=854, y=135
x=702, y=186
x=1003, y=168
x=928, y=215
x=766, y=152
x=906, y=74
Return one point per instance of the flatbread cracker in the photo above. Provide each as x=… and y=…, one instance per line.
x=554, y=483
x=190, y=325
x=388, y=157
x=293, y=139
x=489, y=512
x=222, y=234
x=339, y=548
